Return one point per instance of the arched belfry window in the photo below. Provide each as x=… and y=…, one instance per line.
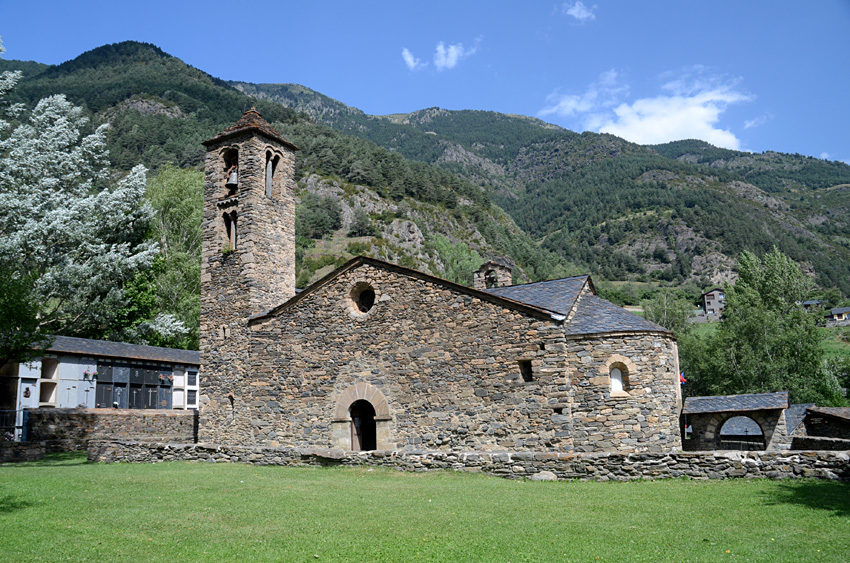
x=491, y=280
x=272, y=161
x=230, y=231
x=231, y=172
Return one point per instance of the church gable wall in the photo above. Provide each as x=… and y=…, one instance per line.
x=644, y=415
x=446, y=363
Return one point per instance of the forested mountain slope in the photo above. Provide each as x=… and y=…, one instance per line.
x=675, y=212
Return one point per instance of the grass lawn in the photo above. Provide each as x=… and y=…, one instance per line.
x=64, y=508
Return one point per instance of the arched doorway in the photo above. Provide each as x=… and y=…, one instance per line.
x=363, y=428
x=740, y=433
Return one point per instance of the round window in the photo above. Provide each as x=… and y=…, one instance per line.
x=362, y=298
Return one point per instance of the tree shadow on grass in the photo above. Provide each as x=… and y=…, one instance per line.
x=831, y=496
x=62, y=458
x=10, y=503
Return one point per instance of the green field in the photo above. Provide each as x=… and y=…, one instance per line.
x=66, y=509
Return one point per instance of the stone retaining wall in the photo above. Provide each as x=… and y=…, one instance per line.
x=535, y=465
x=13, y=452
x=73, y=427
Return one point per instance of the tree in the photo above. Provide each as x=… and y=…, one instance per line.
x=20, y=333
x=766, y=341
x=75, y=237
x=669, y=311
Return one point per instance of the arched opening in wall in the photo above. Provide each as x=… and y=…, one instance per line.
x=491, y=280
x=229, y=231
x=740, y=433
x=363, y=428
x=272, y=161
x=619, y=379
x=231, y=172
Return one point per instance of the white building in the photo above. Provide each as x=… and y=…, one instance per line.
x=77, y=372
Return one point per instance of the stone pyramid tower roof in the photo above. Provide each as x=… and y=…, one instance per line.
x=251, y=120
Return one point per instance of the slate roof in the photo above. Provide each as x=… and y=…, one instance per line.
x=596, y=315
x=557, y=296
x=251, y=120
x=839, y=310
x=836, y=412
x=122, y=350
x=736, y=403
x=794, y=415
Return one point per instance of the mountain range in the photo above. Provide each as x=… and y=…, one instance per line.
x=548, y=200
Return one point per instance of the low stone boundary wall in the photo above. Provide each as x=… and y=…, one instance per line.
x=13, y=452
x=69, y=429
x=535, y=465
x=820, y=443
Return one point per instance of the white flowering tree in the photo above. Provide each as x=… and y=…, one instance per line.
x=77, y=236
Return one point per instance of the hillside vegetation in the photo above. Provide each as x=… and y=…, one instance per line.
x=550, y=200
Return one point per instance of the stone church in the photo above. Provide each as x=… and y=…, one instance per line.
x=377, y=356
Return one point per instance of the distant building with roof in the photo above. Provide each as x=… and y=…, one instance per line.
x=378, y=356
x=838, y=316
x=84, y=373
x=713, y=302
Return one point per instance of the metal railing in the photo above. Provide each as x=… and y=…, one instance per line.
x=13, y=425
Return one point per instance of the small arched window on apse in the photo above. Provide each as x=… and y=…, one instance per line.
x=230, y=231
x=619, y=380
x=272, y=161
x=231, y=172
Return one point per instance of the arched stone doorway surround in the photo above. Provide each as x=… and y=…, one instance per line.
x=342, y=432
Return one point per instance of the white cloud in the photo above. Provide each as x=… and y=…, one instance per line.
x=758, y=121
x=447, y=57
x=606, y=92
x=579, y=11
x=824, y=155
x=412, y=62
x=689, y=107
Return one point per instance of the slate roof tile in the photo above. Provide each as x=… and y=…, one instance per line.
x=596, y=315
x=122, y=350
x=557, y=296
x=837, y=412
x=251, y=120
x=736, y=403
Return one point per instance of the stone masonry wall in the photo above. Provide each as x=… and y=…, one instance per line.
x=80, y=425
x=643, y=418
x=445, y=364
x=534, y=465
x=260, y=272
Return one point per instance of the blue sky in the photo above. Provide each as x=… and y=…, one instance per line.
x=748, y=75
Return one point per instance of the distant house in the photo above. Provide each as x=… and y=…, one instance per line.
x=713, y=301
x=78, y=372
x=838, y=316
x=811, y=304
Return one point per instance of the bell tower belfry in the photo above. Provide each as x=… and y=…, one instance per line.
x=248, y=256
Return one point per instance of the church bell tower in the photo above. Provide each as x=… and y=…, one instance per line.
x=248, y=256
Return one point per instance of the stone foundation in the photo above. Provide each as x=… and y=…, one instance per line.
x=515, y=465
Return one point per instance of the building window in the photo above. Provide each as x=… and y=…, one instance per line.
x=362, y=298
x=271, y=167
x=525, y=370
x=230, y=231
x=619, y=380
x=192, y=378
x=191, y=398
